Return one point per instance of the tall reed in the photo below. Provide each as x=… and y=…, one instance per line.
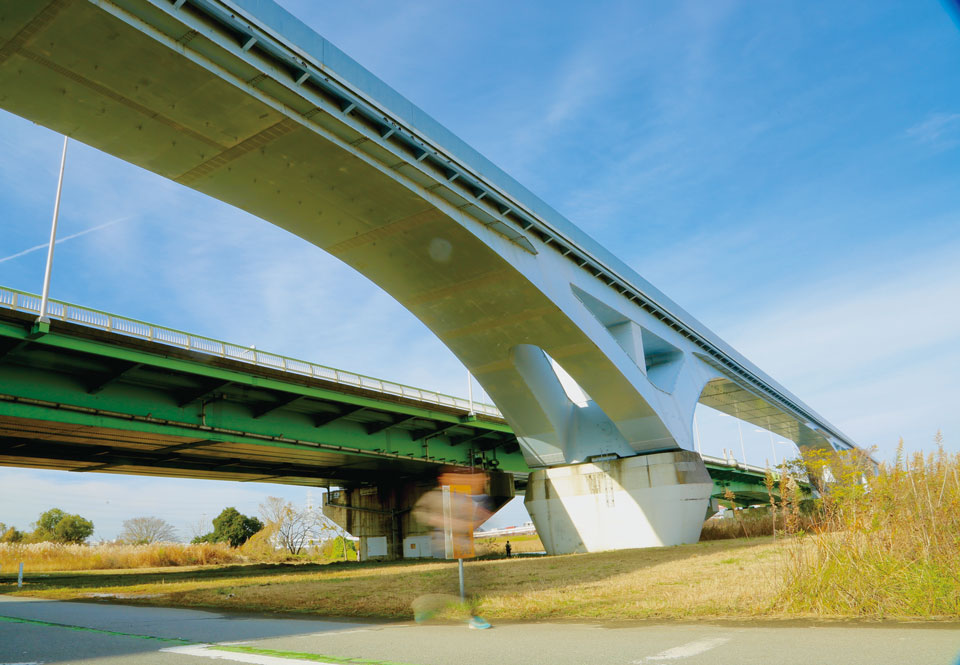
x=887, y=542
x=54, y=556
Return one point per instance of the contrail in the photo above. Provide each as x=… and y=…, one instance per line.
x=37, y=248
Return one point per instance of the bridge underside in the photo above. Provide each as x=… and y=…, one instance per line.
x=90, y=401
x=207, y=95
x=83, y=400
x=164, y=86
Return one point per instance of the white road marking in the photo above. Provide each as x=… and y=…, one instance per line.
x=325, y=633
x=204, y=651
x=686, y=650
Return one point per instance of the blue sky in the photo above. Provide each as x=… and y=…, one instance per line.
x=787, y=172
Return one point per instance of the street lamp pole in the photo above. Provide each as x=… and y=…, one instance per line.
x=45, y=296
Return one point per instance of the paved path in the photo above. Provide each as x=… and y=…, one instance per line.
x=39, y=631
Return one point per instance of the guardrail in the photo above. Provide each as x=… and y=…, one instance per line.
x=735, y=464
x=750, y=468
x=63, y=311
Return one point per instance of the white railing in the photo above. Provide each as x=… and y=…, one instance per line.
x=736, y=464
x=28, y=302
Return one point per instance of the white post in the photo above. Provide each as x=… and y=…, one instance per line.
x=470, y=391
x=462, y=594
x=773, y=449
x=772, y=446
x=20, y=577
x=53, y=240
x=743, y=450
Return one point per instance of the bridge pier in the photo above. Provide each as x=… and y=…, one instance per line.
x=641, y=501
x=389, y=527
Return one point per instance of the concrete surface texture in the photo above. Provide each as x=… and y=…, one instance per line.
x=41, y=631
x=284, y=126
x=295, y=132
x=583, y=507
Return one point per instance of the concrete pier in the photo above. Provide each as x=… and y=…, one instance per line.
x=389, y=527
x=640, y=501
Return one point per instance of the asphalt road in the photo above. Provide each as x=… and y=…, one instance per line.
x=40, y=631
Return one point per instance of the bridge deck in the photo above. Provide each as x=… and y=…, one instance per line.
x=241, y=101
x=107, y=394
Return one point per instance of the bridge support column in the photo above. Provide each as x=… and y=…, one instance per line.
x=641, y=501
x=384, y=519
x=379, y=516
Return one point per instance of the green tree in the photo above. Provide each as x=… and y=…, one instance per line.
x=61, y=527
x=46, y=523
x=10, y=534
x=73, y=529
x=230, y=526
x=333, y=549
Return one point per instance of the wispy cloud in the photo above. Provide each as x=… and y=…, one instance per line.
x=872, y=349
x=78, y=234
x=938, y=130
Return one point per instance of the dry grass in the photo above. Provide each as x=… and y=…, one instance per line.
x=59, y=557
x=756, y=523
x=721, y=578
x=888, y=547
x=752, y=523
x=490, y=547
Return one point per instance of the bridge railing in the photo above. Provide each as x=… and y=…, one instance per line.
x=736, y=464
x=63, y=311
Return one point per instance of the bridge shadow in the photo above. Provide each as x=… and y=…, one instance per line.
x=386, y=590
x=177, y=607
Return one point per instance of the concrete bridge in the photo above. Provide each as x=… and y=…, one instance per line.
x=102, y=393
x=241, y=101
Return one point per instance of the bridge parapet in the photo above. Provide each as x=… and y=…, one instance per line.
x=22, y=301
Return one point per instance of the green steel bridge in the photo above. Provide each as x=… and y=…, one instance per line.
x=97, y=392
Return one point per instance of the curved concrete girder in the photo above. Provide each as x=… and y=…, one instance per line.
x=186, y=102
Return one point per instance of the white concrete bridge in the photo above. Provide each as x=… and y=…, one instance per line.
x=241, y=101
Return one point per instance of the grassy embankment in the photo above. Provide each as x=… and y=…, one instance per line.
x=491, y=547
x=888, y=549
x=705, y=579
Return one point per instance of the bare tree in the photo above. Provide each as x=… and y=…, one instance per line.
x=147, y=530
x=293, y=529
x=199, y=528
